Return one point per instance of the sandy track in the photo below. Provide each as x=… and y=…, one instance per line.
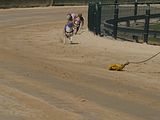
x=40, y=78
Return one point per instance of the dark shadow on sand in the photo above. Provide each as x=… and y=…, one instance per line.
x=74, y=43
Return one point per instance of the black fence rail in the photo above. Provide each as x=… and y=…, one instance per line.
x=131, y=21
x=122, y=1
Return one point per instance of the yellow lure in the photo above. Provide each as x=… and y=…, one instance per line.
x=117, y=67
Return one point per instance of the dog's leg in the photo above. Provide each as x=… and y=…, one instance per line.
x=64, y=39
x=71, y=38
x=75, y=30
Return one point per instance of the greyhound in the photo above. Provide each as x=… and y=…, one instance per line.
x=69, y=31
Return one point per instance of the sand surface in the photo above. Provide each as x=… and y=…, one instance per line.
x=43, y=79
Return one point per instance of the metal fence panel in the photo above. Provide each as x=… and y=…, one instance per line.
x=34, y=3
x=106, y=14
x=23, y=3
x=70, y=2
x=132, y=22
x=94, y=17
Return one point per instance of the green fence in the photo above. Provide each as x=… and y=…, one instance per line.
x=122, y=1
x=130, y=21
x=94, y=17
x=37, y=3
x=23, y=3
x=70, y=2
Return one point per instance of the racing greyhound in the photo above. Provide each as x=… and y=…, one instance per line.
x=69, y=31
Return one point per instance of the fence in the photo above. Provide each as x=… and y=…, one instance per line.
x=130, y=21
x=94, y=18
x=36, y=3
x=23, y=3
x=70, y=2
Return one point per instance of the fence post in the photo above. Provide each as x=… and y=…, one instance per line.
x=146, y=26
x=91, y=16
x=98, y=18
x=94, y=19
x=135, y=8
x=116, y=12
